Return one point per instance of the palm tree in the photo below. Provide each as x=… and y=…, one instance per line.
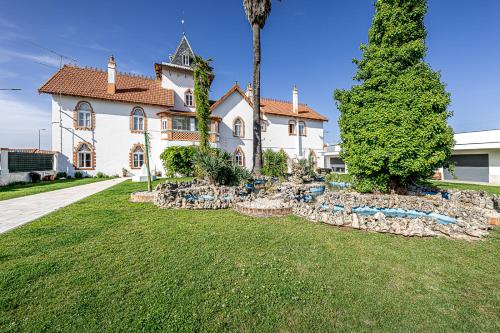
x=257, y=12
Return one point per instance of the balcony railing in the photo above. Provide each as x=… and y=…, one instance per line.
x=181, y=135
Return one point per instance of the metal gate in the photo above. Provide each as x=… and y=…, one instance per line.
x=24, y=161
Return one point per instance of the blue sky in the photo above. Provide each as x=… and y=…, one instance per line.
x=307, y=43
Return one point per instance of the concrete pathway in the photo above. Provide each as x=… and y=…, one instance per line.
x=19, y=211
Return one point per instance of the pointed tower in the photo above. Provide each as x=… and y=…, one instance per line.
x=184, y=55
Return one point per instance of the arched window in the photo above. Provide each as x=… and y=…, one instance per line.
x=137, y=156
x=291, y=127
x=84, y=156
x=239, y=157
x=188, y=98
x=84, y=119
x=238, y=128
x=137, y=120
x=302, y=128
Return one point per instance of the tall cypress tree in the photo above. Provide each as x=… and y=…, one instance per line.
x=202, y=81
x=393, y=125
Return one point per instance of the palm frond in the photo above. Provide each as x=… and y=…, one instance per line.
x=257, y=11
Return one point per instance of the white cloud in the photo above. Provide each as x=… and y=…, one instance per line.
x=20, y=122
x=7, y=55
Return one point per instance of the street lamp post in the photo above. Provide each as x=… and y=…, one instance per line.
x=39, y=131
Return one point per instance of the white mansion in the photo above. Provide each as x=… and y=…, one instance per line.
x=99, y=118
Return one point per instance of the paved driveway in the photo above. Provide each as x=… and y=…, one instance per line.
x=18, y=211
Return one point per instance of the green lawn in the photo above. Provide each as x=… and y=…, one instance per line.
x=21, y=190
x=104, y=264
x=464, y=186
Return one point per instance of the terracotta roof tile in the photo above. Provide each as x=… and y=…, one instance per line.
x=90, y=82
x=276, y=107
x=282, y=108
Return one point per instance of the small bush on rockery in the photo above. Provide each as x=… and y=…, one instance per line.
x=339, y=177
x=275, y=163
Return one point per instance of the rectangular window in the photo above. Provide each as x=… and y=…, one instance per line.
x=184, y=124
x=291, y=128
x=164, y=124
x=189, y=99
x=83, y=119
x=138, y=123
x=84, y=160
x=302, y=128
x=138, y=160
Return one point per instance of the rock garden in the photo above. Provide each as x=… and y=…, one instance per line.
x=421, y=212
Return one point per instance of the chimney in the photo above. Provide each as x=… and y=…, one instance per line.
x=295, y=100
x=249, y=92
x=111, y=75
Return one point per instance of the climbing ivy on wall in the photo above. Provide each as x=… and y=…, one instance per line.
x=203, y=74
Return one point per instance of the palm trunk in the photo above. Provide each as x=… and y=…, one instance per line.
x=257, y=140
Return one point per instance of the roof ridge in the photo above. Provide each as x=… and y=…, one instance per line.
x=101, y=70
x=281, y=101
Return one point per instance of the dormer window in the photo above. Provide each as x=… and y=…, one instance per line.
x=186, y=61
x=188, y=98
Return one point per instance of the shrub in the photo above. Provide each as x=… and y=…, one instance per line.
x=101, y=175
x=217, y=166
x=178, y=160
x=308, y=166
x=78, y=175
x=60, y=175
x=275, y=163
x=339, y=177
x=35, y=177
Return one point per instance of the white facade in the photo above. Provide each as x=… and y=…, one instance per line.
x=275, y=136
x=233, y=108
x=180, y=81
x=112, y=137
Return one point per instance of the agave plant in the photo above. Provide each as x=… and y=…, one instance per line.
x=217, y=166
